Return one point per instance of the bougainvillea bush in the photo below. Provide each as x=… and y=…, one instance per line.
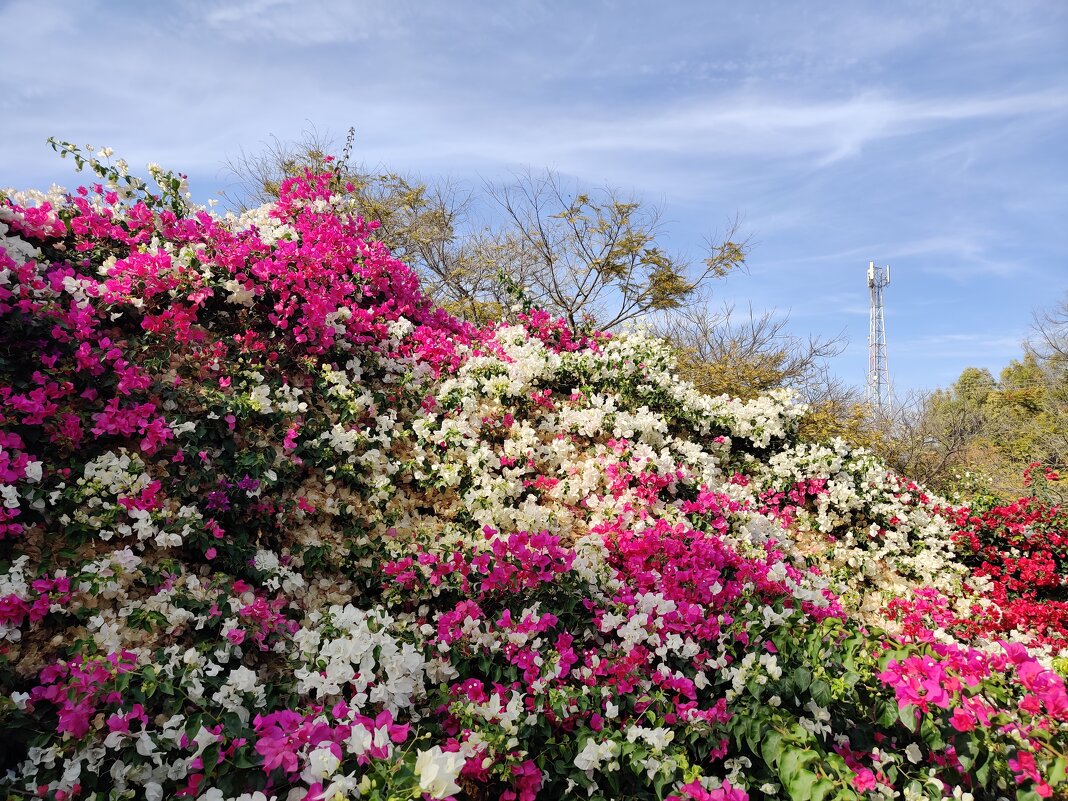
x=274, y=527
x=1021, y=549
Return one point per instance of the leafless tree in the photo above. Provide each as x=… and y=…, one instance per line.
x=257, y=176
x=1050, y=327
x=592, y=255
x=928, y=439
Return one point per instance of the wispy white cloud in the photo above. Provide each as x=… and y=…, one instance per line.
x=301, y=22
x=963, y=345
x=779, y=129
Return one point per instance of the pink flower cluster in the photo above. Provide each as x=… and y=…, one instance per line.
x=78, y=686
x=695, y=792
x=282, y=736
x=16, y=609
x=518, y=561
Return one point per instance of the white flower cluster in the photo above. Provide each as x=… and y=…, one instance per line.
x=241, y=693
x=506, y=716
x=269, y=227
x=885, y=530
x=115, y=475
x=596, y=756
x=657, y=739
x=359, y=653
x=438, y=771
x=279, y=576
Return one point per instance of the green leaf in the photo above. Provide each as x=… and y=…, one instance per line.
x=659, y=782
x=982, y=770
x=907, y=715
x=242, y=761
x=791, y=763
x=888, y=712
x=800, y=785
x=210, y=757
x=931, y=734
x=821, y=692
x=771, y=748
x=1058, y=771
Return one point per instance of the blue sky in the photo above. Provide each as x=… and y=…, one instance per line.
x=930, y=136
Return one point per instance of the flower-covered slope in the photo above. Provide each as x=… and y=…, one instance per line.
x=273, y=526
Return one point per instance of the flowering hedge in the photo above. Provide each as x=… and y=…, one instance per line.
x=274, y=527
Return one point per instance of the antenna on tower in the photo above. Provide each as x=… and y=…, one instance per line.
x=878, y=372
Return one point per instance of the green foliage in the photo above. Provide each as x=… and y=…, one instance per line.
x=981, y=436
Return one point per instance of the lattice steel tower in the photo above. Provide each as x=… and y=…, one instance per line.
x=878, y=373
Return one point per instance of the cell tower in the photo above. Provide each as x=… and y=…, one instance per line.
x=878, y=373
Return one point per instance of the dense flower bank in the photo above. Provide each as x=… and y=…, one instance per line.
x=1021, y=550
x=274, y=527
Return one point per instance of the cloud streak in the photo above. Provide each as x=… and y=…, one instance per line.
x=302, y=23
